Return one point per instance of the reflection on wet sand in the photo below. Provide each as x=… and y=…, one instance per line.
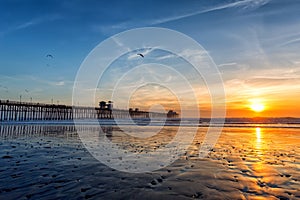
x=258, y=138
x=29, y=130
x=259, y=166
x=49, y=161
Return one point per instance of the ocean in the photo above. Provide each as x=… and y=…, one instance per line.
x=252, y=159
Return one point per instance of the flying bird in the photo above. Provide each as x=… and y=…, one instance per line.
x=26, y=90
x=139, y=54
x=49, y=56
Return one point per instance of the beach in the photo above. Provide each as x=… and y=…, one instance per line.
x=50, y=162
x=146, y=100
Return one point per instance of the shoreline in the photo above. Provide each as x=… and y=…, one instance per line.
x=155, y=122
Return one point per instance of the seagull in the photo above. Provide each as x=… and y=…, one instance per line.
x=139, y=54
x=49, y=56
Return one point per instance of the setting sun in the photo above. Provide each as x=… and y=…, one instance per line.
x=257, y=106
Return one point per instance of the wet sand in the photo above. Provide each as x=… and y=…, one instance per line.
x=50, y=162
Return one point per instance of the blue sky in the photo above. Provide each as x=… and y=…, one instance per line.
x=255, y=43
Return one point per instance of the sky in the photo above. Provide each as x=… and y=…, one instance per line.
x=255, y=45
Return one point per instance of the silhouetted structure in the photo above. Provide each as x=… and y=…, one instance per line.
x=102, y=105
x=172, y=114
x=24, y=111
x=106, y=106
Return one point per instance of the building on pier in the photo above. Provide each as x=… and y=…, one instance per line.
x=172, y=114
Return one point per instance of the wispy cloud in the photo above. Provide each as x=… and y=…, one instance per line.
x=111, y=29
x=125, y=25
x=272, y=83
x=227, y=64
x=30, y=23
x=296, y=40
x=244, y=4
x=170, y=56
x=266, y=81
x=60, y=83
x=29, y=79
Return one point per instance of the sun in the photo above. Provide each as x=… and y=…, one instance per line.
x=257, y=105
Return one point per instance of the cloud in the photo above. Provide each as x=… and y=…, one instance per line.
x=108, y=29
x=60, y=83
x=268, y=86
x=227, y=64
x=27, y=24
x=111, y=29
x=296, y=40
x=32, y=22
x=166, y=57
x=117, y=41
x=195, y=55
x=265, y=81
x=245, y=4
x=29, y=80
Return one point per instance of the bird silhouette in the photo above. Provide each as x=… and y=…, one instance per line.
x=49, y=56
x=139, y=54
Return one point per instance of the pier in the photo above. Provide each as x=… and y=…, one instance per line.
x=24, y=111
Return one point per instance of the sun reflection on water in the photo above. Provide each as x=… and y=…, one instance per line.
x=258, y=138
x=258, y=166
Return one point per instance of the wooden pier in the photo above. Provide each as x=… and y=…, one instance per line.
x=24, y=111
